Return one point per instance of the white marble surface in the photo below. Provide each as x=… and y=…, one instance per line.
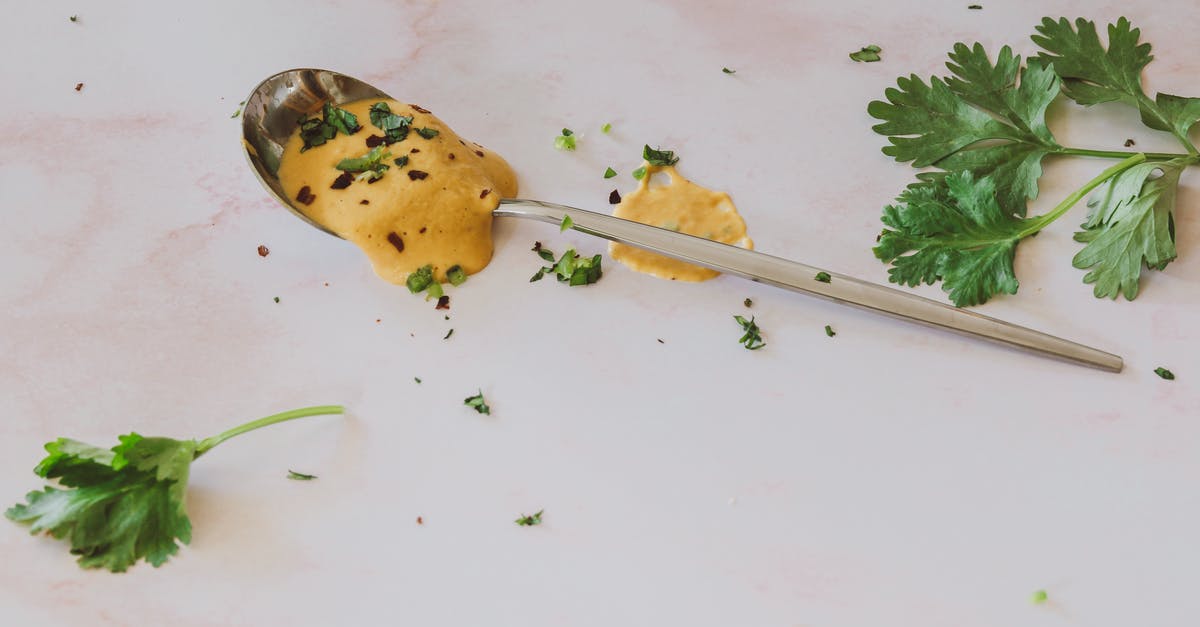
x=888, y=476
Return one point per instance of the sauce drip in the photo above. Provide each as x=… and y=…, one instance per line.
x=436, y=209
x=683, y=206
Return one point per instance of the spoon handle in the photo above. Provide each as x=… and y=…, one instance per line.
x=799, y=277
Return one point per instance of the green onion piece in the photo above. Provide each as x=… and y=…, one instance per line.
x=456, y=275
x=609, y=173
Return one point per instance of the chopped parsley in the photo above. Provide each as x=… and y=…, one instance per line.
x=1164, y=373
x=529, y=521
x=369, y=166
x=316, y=132
x=395, y=127
x=74, y=18
x=570, y=268
x=868, y=54
x=659, y=157
x=566, y=141
x=239, y=110
x=447, y=336
x=1039, y=597
x=427, y=133
x=606, y=128
x=434, y=290
x=609, y=173
x=567, y=223
x=752, y=339
x=401, y=162
x=639, y=173
x=829, y=331
x=456, y=275
x=299, y=476
x=418, y=281
x=476, y=402
x=276, y=299
x=417, y=379
x=728, y=71
x=748, y=303
x=823, y=277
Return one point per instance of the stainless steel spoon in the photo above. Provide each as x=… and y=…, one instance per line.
x=269, y=119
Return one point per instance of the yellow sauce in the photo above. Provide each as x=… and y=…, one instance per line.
x=680, y=206
x=402, y=221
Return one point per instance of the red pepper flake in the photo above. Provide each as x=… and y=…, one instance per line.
x=327, y=284
x=537, y=247
x=422, y=230
x=452, y=156
x=364, y=201
x=420, y=521
x=78, y=86
x=378, y=320
x=374, y=140
x=417, y=175
x=263, y=251
x=462, y=142
x=343, y=181
x=479, y=152
x=370, y=181
x=443, y=302
x=415, y=150
x=419, y=108
x=305, y=195
x=484, y=193
x=395, y=240
x=614, y=198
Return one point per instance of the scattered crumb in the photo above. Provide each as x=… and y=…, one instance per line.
x=420, y=521
x=78, y=86
x=614, y=198
x=748, y=302
x=263, y=251
x=660, y=341
x=1129, y=142
x=276, y=299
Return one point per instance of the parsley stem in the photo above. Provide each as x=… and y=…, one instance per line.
x=1121, y=154
x=1039, y=223
x=303, y=412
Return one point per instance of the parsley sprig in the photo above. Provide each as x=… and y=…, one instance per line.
x=752, y=338
x=123, y=504
x=570, y=268
x=984, y=127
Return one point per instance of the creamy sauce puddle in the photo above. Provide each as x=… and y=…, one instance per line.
x=435, y=210
x=680, y=206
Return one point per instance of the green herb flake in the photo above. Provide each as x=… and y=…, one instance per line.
x=748, y=303
x=419, y=280
x=239, y=110
x=728, y=71
x=566, y=141
x=529, y=521
x=456, y=275
x=370, y=166
x=427, y=133
x=609, y=173
x=570, y=268
x=299, y=476
x=639, y=173
x=74, y=18
x=752, y=339
x=116, y=506
x=975, y=7
x=659, y=157
x=823, y=277
x=868, y=54
x=829, y=332
x=1039, y=597
x=447, y=336
x=567, y=223
x=417, y=379
x=434, y=290
x=606, y=129
x=476, y=402
x=395, y=127
x=340, y=119
x=276, y=299
x=1164, y=373
x=401, y=162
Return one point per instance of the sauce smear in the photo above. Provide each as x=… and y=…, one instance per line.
x=683, y=206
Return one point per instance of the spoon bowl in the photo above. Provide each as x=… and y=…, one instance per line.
x=276, y=105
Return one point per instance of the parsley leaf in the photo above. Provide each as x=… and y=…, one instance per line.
x=868, y=54
x=728, y=71
x=1164, y=373
x=1093, y=74
x=752, y=339
x=427, y=133
x=609, y=173
x=476, y=402
x=529, y=521
x=1130, y=225
x=606, y=128
x=570, y=268
x=1039, y=597
x=340, y=119
x=639, y=173
x=659, y=157
x=829, y=332
x=127, y=503
x=982, y=119
x=823, y=277
x=299, y=476
x=567, y=223
x=395, y=127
